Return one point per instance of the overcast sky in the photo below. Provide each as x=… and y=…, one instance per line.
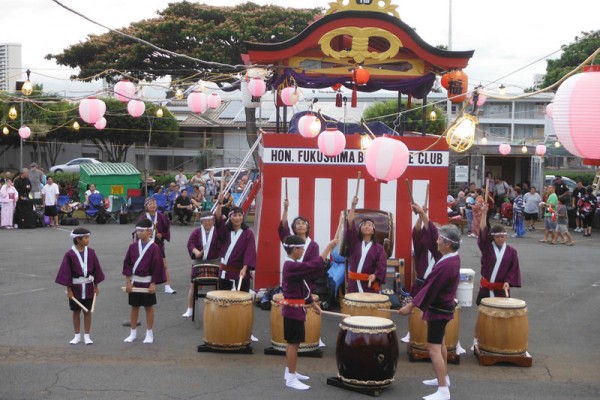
x=506, y=35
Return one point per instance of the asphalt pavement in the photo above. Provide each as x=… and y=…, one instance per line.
x=561, y=286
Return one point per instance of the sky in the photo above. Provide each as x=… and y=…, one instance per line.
x=512, y=38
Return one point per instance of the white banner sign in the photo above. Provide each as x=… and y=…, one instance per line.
x=461, y=173
x=347, y=157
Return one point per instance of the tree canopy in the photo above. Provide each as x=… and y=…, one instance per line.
x=205, y=32
x=411, y=120
x=571, y=57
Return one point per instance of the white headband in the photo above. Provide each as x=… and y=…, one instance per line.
x=207, y=218
x=141, y=228
x=76, y=235
x=449, y=240
x=292, y=245
x=499, y=234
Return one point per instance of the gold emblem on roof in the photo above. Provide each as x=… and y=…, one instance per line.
x=383, y=6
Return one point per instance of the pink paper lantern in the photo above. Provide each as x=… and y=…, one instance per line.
x=136, y=108
x=504, y=149
x=481, y=99
x=309, y=125
x=24, y=132
x=386, y=159
x=290, y=96
x=550, y=110
x=197, y=102
x=540, y=150
x=124, y=90
x=331, y=142
x=257, y=87
x=577, y=114
x=100, y=124
x=214, y=101
x=91, y=110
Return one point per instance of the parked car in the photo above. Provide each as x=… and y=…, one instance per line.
x=571, y=184
x=73, y=165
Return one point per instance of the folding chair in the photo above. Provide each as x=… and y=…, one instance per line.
x=115, y=206
x=95, y=203
x=136, y=207
x=162, y=202
x=63, y=207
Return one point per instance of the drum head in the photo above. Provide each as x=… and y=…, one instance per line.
x=228, y=295
x=367, y=297
x=503, y=302
x=368, y=322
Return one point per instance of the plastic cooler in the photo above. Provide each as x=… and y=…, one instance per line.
x=464, y=294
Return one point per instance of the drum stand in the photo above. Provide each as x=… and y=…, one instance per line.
x=487, y=358
x=197, y=295
x=272, y=351
x=415, y=354
x=374, y=391
x=202, y=348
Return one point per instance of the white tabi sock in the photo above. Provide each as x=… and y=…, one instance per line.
x=87, y=339
x=321, y=344
x=293, y=382
x=76, y=339
x=169, y=289
x=443, y=393
x=188, y=313
x=253, y=338
x=149, y=336
x=406, y=338
x=132, y=336
x=434, y=382
x=300, y=377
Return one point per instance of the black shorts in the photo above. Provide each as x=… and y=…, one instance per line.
x=436, y=331
x=530, y=216
x=293, y=331
x=50, y=211
x=142, y=299
x=87, y=303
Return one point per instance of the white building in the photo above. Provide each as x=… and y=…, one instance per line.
x=10, y=66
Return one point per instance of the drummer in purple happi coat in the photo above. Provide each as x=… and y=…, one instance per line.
x=238, y=249
x=81, y=273
x=297, y=293
x=300, y=227
x=143, y=268
x=424, y=236
x=436, y=300
x=161, y=232
x=203, y=247
x=499, y=263
x=366, y=273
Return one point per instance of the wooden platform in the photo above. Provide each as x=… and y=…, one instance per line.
x=460, y=223
x=271, y=351
x=415, y=354
x=374, y=391
x=206, y=349
x=486, y=358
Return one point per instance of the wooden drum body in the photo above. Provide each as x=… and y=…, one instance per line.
x=366, y=304
x=418, y=330
x=228, y=318
x=312, y=326
x=205, y=273
x=367, y=351
x=502, y=325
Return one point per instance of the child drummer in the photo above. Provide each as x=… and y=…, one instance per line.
x=143, y=268
x=296, y=293
x=81, y=273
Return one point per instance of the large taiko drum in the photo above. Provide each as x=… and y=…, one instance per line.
x=367, y=351
x=384, y=228
x=312, y=326
x=418, y=330
x=366, y=304
x=502, y=326
x=228, y=318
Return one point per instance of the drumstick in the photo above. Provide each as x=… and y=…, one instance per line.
x=286, y=190
x=136, y=289
x=387, y=310
x=412, y=201
x=335, y=314
x=77, y=302
x=487, y=189
x=93, y=303
x=427, y=196
x=357, y=184
x=506, y=292
x=239, y=286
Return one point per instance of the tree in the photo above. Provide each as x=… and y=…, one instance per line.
x=411, y=120
x=571, y=57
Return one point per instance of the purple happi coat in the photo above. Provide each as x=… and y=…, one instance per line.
x=161, y=225
x=195, y=242
x=375, y=260
x=508, y=270
x=426, y=251
x=295, y=278
x=71, y=268
x=151, y=264
x=243, y=252
x=439, y=289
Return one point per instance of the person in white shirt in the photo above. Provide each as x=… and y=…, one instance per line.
x=90, y=191
x=181, y=179
x=50, y=199
x=531, y=202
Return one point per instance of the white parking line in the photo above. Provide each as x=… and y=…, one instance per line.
x=24, y=292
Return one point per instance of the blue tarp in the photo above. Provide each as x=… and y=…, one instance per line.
x=378, y=128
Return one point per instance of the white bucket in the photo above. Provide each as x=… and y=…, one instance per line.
x=467, y=276
x=464, y=295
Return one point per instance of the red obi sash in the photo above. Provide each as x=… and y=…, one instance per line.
x=363, y=277
x=491, y=286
